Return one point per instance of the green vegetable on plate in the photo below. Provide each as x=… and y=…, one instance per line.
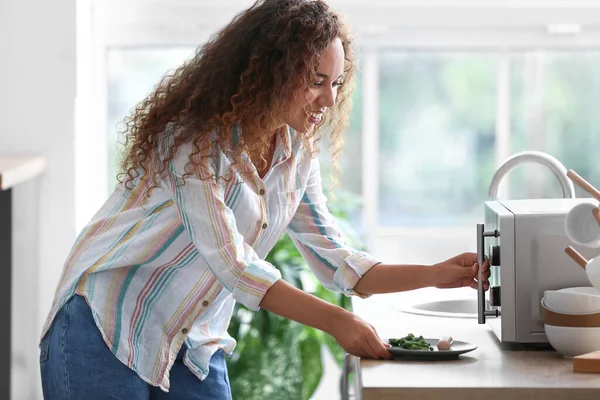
x=411, y=342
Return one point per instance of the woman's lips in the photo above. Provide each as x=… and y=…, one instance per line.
x=314, y=118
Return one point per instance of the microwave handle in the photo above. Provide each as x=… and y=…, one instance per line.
x=481, y=311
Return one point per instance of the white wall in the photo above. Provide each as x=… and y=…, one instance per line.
x=37, y=95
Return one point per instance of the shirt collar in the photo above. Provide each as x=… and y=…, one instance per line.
x=283, y=145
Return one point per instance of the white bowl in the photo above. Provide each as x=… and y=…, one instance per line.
x=593, y=271
x=576, y=300
x=582, y=289
x=571, y=342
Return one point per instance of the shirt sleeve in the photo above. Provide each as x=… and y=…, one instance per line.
x=212, y=227
x=314, y=232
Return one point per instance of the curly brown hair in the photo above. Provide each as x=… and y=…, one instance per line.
x=243, y=71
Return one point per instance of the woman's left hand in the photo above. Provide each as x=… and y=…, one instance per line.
x=460, y=271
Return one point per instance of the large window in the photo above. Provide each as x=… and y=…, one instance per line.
x=440, y=103
x=438, y=118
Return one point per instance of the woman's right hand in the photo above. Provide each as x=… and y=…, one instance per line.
x=461, y=270
x=358, y=337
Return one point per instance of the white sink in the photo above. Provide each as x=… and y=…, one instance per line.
x=451, y=308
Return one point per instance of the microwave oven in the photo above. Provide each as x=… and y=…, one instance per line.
x=525, y=241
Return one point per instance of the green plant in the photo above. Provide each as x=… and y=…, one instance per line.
x=277, y=358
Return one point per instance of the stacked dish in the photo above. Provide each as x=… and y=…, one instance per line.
x=572, y=320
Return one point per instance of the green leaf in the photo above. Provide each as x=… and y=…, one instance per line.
x=312, y=366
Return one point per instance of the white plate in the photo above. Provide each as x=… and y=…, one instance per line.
x=455, y=350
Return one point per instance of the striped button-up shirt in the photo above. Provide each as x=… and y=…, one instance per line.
x=168, y=271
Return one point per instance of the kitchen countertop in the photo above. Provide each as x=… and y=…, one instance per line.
x=492, y=371
x=16, y=169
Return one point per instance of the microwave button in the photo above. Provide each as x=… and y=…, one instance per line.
x=495, y=296
x=495, y=256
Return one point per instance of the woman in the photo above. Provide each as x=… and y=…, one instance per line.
x=220, y=160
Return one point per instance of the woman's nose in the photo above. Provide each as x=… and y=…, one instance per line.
x=327, y=99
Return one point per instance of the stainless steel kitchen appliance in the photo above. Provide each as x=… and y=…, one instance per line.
x=525, y=242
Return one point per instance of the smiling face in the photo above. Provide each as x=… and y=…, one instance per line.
x=309, y=104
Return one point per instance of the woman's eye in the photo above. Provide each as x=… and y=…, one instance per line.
x=317, y=84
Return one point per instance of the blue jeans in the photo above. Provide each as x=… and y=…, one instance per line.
x=76, y=364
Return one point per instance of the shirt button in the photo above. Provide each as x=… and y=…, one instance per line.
x=205, y=303
x=261, y=191
x=184, y=331
x=264, y=226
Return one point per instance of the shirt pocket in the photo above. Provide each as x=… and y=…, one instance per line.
x=288, y=203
